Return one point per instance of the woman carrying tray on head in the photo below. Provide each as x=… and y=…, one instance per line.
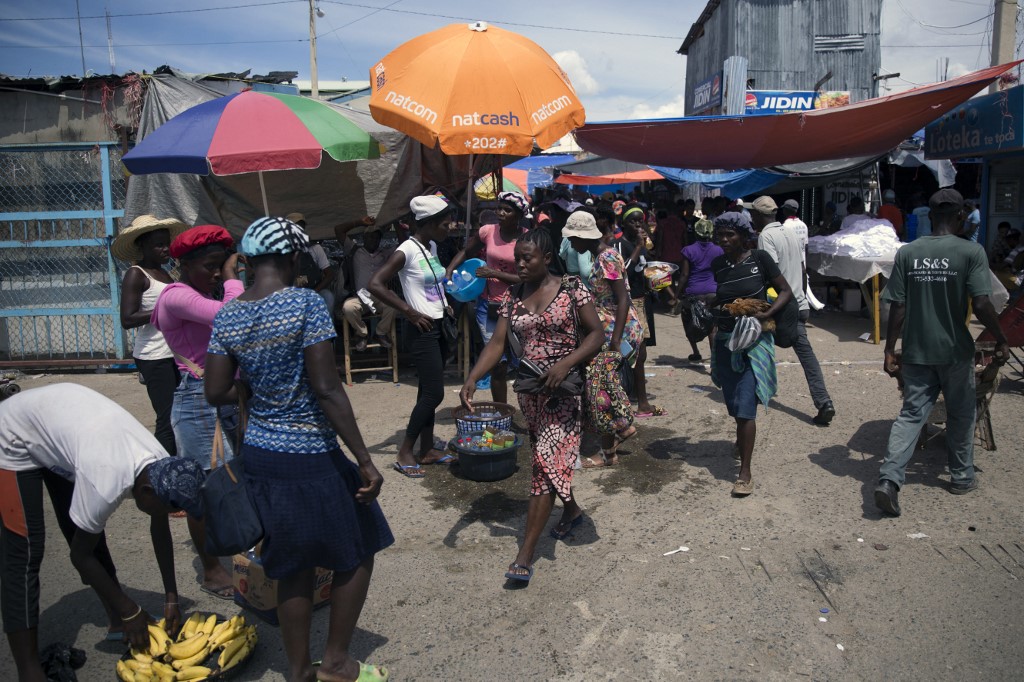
x=316, y=506
x=558, y=329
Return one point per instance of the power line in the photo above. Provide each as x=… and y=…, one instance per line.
x=150, y=14
x=942, y=28
x=502, y=22
x=118, y=45
x=375, y=9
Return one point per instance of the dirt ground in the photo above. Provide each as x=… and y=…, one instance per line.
x=748, y=598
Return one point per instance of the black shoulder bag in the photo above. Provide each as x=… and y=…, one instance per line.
x=528, y=378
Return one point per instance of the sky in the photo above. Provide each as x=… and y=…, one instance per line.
x=620, y=56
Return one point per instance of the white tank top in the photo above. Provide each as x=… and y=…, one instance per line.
x=149, y=342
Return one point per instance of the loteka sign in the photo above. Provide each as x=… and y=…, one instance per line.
x=707, y=95
x=984, y=125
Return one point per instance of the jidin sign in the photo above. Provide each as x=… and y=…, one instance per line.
x=763, y=102
x=707, y=95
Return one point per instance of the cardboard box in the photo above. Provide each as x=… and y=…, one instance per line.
x=258, y=593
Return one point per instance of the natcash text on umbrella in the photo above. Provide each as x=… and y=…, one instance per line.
x=476, y=118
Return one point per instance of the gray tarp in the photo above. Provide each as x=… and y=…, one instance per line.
x=333, y=193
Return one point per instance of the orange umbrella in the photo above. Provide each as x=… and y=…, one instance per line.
x=476, y=89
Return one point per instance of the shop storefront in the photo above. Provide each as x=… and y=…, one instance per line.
x=990, y=129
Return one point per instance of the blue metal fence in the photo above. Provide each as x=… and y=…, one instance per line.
x=59, y=285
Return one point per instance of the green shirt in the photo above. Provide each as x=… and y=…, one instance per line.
x=935, y=277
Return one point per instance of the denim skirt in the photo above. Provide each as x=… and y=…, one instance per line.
x=195, y=421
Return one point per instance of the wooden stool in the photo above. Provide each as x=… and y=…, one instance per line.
x=391, y=353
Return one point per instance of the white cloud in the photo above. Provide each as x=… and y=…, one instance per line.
x=671, y=109
x=575, y=66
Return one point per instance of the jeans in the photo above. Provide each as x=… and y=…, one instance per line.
x=921, y=386
x=425, y=348
x=195, y=422
x=161, y=378
x=809, y=362
x=23, y=537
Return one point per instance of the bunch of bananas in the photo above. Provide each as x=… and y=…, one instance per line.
x=202, y=648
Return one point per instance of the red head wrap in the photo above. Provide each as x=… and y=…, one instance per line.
x=198, y=237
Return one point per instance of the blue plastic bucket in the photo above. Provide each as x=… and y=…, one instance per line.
x=462, y=290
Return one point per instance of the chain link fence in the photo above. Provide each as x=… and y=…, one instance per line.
x=59, y=286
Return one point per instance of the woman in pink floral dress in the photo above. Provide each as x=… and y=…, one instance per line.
x=558, y=328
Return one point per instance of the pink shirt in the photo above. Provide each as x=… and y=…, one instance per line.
x=500, y=255
x=185, y=317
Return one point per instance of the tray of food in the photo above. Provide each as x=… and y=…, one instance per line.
x=208, y=647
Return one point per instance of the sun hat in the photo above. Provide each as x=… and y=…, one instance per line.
x=581, y=224
x=704, y=228
x=124, y=246
x=428, y=206
x=734, y=220
x=273, y=235
x=198, y=237
x=176, y=481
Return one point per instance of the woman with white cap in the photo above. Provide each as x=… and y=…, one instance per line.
x=146, y=243
x=496, y=244
x=421, y=274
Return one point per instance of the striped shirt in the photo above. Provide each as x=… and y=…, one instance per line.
x=746, y=279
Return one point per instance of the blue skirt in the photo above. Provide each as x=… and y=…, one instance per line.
x=307, y=504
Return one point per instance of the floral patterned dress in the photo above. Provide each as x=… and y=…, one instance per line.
x=609, y=266
x=555, y=422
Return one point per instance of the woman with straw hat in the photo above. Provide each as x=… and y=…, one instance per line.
x=146, y=243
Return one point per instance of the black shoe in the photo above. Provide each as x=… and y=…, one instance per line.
x=825, y=414
x=963, y=488
x=887, y=497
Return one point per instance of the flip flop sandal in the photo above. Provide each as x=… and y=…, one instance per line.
x=742, y=488
x=218, y=592
x=367, y=672
x=512, y=575
x=621, y=437
x=409, y=470
x=561, y=535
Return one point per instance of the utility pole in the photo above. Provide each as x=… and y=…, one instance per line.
x=312, y=51
x=110, y=41
x=1004, y=34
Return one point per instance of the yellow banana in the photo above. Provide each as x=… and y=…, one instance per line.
x=230, y=649
x=210, y=623
x=162, y=623
x=138, y=666
x=189, y=628
x=238, y=657
x=163, y=670
x=197, y=672
x=124, y=673
x=220, y=627
x=190, y=647
x=226, y=636
x=192, y=661
x=142, y=657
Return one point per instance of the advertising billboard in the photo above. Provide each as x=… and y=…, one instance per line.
x=707, y=95
x=764, y=102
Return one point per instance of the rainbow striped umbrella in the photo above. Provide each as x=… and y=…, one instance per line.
x=251, y=132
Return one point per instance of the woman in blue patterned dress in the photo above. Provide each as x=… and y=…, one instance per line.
x=317, y=507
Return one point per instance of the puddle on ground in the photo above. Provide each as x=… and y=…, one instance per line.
x=648, y=462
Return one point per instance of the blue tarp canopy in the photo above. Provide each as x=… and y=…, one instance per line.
x=732, y=183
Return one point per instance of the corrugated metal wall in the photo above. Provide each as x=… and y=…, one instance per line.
x=777, y=36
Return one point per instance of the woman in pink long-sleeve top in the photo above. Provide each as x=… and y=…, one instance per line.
x=184, y=313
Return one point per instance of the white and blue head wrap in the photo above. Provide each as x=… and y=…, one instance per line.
x=176, y=481
x=273, y=235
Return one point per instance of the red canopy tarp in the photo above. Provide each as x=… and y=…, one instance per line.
x=613, y=179
x=731, y=142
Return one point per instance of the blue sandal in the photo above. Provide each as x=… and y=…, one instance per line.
x=409, y=470
x=561, y=535
x=512, y=575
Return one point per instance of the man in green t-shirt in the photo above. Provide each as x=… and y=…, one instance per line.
x=933, y=280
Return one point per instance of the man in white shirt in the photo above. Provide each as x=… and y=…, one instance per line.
x=91, y=455
x=785, y=248
x=854, y=212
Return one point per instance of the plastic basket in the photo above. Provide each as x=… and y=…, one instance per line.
x=487, y=465
x=466, y=423
x=467, y=291
x=659, y=274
